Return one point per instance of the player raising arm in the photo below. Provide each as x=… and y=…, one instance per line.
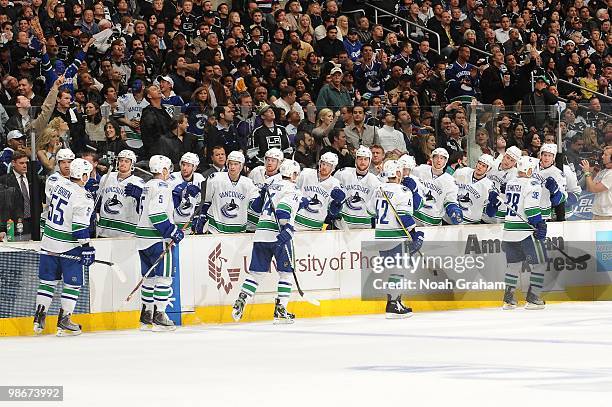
x=476, y=193
x=185, y=187
x=503, y=171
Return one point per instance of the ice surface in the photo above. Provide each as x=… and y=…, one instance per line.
x=561, y=356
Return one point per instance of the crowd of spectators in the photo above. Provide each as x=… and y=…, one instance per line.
x=168, y=77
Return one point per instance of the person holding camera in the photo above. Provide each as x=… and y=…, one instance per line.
x=600, y=185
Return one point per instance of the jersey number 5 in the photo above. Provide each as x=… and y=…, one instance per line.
x=56, y=212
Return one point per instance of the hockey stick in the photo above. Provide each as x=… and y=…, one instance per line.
x=161, y=256
x=397, y=218
x=144, y=171
x=579, y=259
x=311, y=300
x=114, y=267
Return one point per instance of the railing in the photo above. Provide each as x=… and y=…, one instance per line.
x=407, y=22
x=583, y=88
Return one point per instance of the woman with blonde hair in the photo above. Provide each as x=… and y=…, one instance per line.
x=589, y=135
x=305, y=25
x=62, y=129
x=326, y=120
x=47, y=145
x=343, y=26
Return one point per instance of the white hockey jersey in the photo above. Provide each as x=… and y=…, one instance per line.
x=387, y=224
x=284, y=195
x=473, y=194
x=259, y=177
x=130, y=108
x=359, y=191
x=229, y=202
x=438, y=191
x=118, y=212
x=69, y=210
x=318, y=192
x=572, y=184
x=541, y=174
x=523, y=196
x=52, y=180
x=500, y=177
x=157, y=207
x=183, y=213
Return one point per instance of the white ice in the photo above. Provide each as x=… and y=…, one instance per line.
x=561, y=356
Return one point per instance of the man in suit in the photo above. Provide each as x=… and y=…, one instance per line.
x=18, y=178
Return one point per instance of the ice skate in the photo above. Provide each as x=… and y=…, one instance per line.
x=39, y=319
x=281, y=316
x=238, y=308
x=509, y=300
x=146, y=319
x=534, y=301
x=65, y=327
x=161, y=322
x=395, y=309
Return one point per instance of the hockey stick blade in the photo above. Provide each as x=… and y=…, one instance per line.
x=310, y=299
x=580, y=259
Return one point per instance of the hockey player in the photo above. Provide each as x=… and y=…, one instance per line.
x=554, y=185
x=410, y=181
x=228, y=195
x=154, y=229
x=120, y=198
x=64, y=157
x=521, y=242
x=278, y=207
x=265, y=174
x=503, y=171
x=388, y=200
x=322, y=192
x=358, y=184
x=66, y=231
x=185, y=186
x=439, y=192
x=476, y=194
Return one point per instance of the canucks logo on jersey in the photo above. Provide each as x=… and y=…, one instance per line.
x=113, y=205
x=184, y=209
x=465, y=201
x=429, y=198
x=230, y=209
x=314, y=206
x=354, y=202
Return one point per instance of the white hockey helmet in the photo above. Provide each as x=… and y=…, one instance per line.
x=514, y=152
x=236, y=156
x=128, y=154
x=64, y=154
x=526, y=163
x=329, y=158
x=391, y=169
x=157, y=163
x=407, y=161
x=549, y=148
x=80, y=167
x=288, y=168
x=440, y=151
x=275, y=153
x=190, y=158
x=363, y=151
x=487, y=160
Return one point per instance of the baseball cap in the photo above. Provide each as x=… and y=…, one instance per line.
x=261, y=109
x=208, y=14
x=179, y=34
x=353, y=30
x=14, y=134
x=164, y=78
x=336, y=70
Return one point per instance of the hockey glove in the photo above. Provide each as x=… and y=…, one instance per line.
x=88, y=255
x=417, y=241
x=335, y=205
x=454, y=213
x=556, y=196
x=285, y=235
x=177, y=194
x=410, y=184
x=493, y=204
x=199, y=221
x=337, y=194
x=192, y=190
x=177, y=235
x=92, y=185
x=540, y=230
x=133, y=190
x=304, y=202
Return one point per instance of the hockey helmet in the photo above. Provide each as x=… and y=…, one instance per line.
x=157, y=163
x=526, y=163
x=407, y=161
x=514, y=152
x=236, y=156
x=275, y=153
x=440, y=151
x=549, y=148
x=64, y=154
x=487, y=160
x=80, y=167
x=363, y=151
x=391, y=169
x=329, y=158
x=288, y=168
x=190, y=158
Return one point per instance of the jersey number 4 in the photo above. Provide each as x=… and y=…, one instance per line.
x=56, y=212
